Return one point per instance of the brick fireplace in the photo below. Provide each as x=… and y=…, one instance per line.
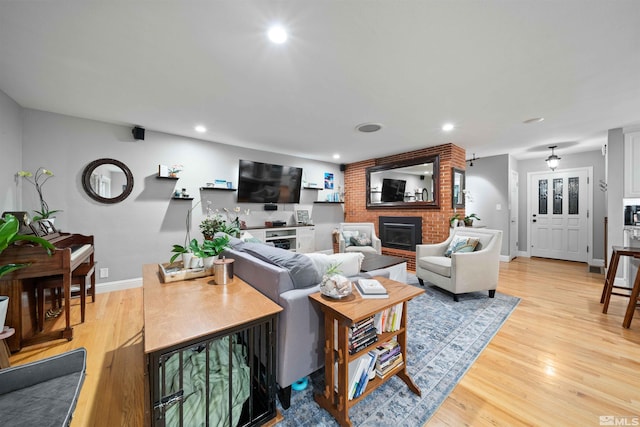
x=434, y=222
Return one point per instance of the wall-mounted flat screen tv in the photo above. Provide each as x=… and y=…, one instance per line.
x=393, y=190
x=268, y=183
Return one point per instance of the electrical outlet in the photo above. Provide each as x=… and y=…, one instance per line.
x=104, y=273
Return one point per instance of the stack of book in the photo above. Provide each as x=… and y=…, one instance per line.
x=361, y=370
x=389, y=319
x=371, y=288
x=389, y=357
x=362, y=334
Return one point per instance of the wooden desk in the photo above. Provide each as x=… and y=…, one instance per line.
x=179, y=316
x=347, y=311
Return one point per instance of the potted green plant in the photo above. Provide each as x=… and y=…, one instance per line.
x=9, y=227
x=211, y=249
x=192, y=250
x=210, y=226
x=468, y=220
x=453, y=221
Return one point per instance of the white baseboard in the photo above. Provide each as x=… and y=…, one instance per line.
x=118, y=285
x=597, y=262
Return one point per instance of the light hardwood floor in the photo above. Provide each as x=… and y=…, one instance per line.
x=557, y=361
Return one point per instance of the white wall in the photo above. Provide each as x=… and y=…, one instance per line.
x=11, y=158
x=143, y=228
x=615, y=191
x=488, y=182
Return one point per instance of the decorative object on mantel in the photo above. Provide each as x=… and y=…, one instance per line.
x=468, y=220
x=38, y=180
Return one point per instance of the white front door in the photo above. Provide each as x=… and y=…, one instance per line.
x=558, y=214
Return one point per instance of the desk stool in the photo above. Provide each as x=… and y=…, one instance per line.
x=609, y=287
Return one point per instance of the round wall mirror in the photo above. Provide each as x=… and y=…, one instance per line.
x=107, y=180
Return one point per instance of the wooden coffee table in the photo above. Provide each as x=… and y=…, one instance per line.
x=397, y=266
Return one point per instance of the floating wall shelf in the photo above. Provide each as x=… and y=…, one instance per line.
x=217, y=189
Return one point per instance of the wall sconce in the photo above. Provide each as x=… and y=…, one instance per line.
x=553, y=161
x=470, y=161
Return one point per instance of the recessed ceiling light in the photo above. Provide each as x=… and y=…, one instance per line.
x=369, y=127
x=336, y=156
x=447, y=127
x=533, y=120
x=201, y=129
x=277, y=34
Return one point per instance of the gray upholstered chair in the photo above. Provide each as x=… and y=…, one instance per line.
x=44, y=392
x=463, y=271
x=347, y=230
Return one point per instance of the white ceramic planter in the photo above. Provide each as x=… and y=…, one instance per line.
x=4, y=305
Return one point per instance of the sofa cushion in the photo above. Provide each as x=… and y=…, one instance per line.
x=461, y=244
x=368, y=249
x=302, y=271
x=436, y=264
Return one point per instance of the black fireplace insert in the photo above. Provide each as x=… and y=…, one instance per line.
x=400, y=232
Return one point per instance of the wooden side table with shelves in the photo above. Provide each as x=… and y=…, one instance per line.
x=344, y=313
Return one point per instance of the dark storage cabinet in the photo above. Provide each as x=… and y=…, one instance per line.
x=211, y=352
x=231, y=373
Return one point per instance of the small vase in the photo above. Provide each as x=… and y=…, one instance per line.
x=208, y=262
x=196, y=262
x=186, y=260
x=4, y=304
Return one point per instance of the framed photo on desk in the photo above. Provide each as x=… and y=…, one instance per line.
x=302, y=216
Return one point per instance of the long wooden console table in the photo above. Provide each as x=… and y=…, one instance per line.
x=189, y=317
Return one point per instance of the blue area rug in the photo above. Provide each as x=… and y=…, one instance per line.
x=444, y=339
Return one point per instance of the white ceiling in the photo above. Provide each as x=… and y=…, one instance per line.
x=410, y=65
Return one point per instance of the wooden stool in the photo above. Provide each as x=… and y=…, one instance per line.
x=4, y=348
x=609, y=287
x=83, y=276
x=633, y=300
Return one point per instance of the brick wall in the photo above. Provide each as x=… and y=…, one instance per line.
x=435, y=222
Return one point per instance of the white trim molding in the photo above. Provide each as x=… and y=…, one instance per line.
x=118, y=285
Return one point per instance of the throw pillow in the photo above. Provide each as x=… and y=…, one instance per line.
x=248, y=237
x=361, y=240
x=302, y=271
x=349, y=262
x=461, y=244
x=347, y=235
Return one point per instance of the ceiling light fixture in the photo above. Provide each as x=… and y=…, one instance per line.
x=201, y=129
x=369, y=127
x=277, y=34
x=553, y=161
x=470, y=161
x=447, y=127
x=336, y=156
x=533, y=120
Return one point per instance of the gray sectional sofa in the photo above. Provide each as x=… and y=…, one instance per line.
x=288, y=278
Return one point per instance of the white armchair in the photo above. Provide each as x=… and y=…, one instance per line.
x=346, y=230
x=462, y=272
